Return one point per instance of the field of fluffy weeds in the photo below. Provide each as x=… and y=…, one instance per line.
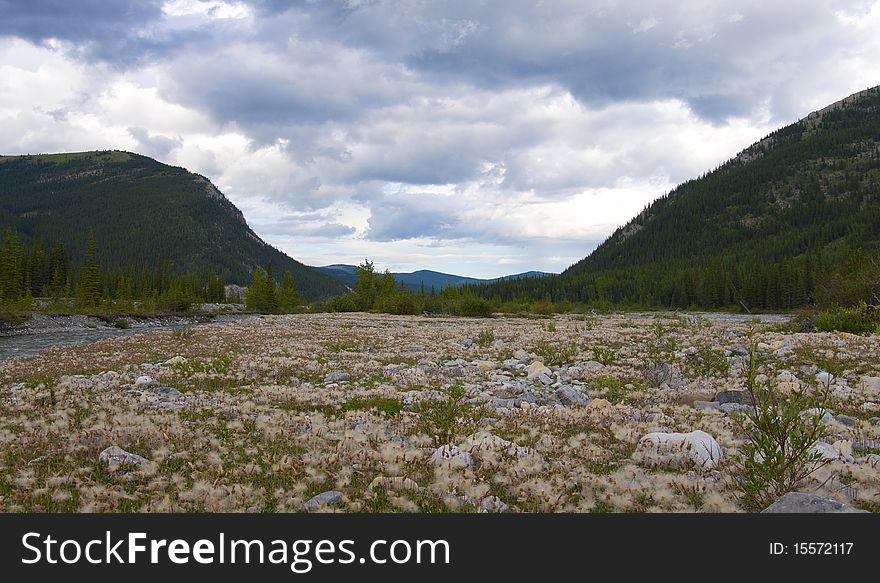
x=377, y=413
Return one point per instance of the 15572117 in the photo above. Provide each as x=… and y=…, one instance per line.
x=812, y=548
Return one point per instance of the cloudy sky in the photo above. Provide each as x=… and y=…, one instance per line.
x=474, y=137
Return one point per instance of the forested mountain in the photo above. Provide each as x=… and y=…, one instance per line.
x=415, y=280
x=761, y=231
x=142, y=212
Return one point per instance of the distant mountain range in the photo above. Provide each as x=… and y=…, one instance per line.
x=414, y=280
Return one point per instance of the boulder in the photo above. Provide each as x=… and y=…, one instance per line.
x=839, y=451
x=679, y=449
x=493, y=504
x=116, y=456
x=328, y=498
x=707, y=405
x=571, y=396
x=535, y=369
x=808, y=503
x=738, y=397
x=143, y=381
x=337, y=376
x=451, y=455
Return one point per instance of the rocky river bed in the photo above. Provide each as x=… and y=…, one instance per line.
x=370, y=412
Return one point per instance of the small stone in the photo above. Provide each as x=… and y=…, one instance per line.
x=739, y=397
x=116, y=456
x=493, y=504
x=337, y=376
x=571, y=396
x=598, y=404
x=847, y=420
x=696, y=447
x=839, y=451
x=451, y=455
x=824, y=378
x=328, y=498
x=808, y=503
x=537, y=368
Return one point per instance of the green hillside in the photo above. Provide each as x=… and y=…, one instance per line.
x=761, y=231
x=141, y=211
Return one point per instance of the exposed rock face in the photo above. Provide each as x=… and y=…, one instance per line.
x=801, y=502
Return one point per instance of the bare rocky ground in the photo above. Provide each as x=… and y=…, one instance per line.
x=364, y=412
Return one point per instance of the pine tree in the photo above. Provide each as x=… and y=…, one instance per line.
x=288, y=298
x=91, y=288
x=10, y=268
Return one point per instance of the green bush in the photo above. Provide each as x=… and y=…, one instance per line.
x=121, y=323
x=555, y=354
x=344, y=303
x=400, y=303
x=446, y=418
x=486, y=338
x=474, y=307
x=859, y=319
x=779, y=452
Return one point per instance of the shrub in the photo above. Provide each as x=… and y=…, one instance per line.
x=486, y=338
x=121, y=323
x=781, y=434
x=859, y=319
x=344, y=303
x=474, y=307
x=553, y=354
x=444, y=419
x=400, y=303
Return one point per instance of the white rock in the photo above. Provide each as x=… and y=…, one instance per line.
x=116, y=456
x=839, y=451
x=824, y=378
x=535, y=369
x=493, y=504
x=679, y=448
x=143, y=380
x=451, y=455
x=870, y=385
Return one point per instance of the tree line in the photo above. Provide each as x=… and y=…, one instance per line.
x=45, y=270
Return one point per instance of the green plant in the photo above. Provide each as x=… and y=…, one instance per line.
x=554, y=354
x=858, y=319
x=614, y=389
x=474, y=307
x=121, y=323
x=382, y=404
x=781, y=433
x=607, y=355
x=486, y=338
x=443, y=419
x=707, y=362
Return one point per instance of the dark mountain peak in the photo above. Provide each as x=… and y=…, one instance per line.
x=141, y=211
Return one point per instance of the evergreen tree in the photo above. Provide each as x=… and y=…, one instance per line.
x=288, y=298
x=91, y=287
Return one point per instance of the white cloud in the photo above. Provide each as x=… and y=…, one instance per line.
x=468, y=137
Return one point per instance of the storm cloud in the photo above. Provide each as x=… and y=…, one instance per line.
x=473, y=137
